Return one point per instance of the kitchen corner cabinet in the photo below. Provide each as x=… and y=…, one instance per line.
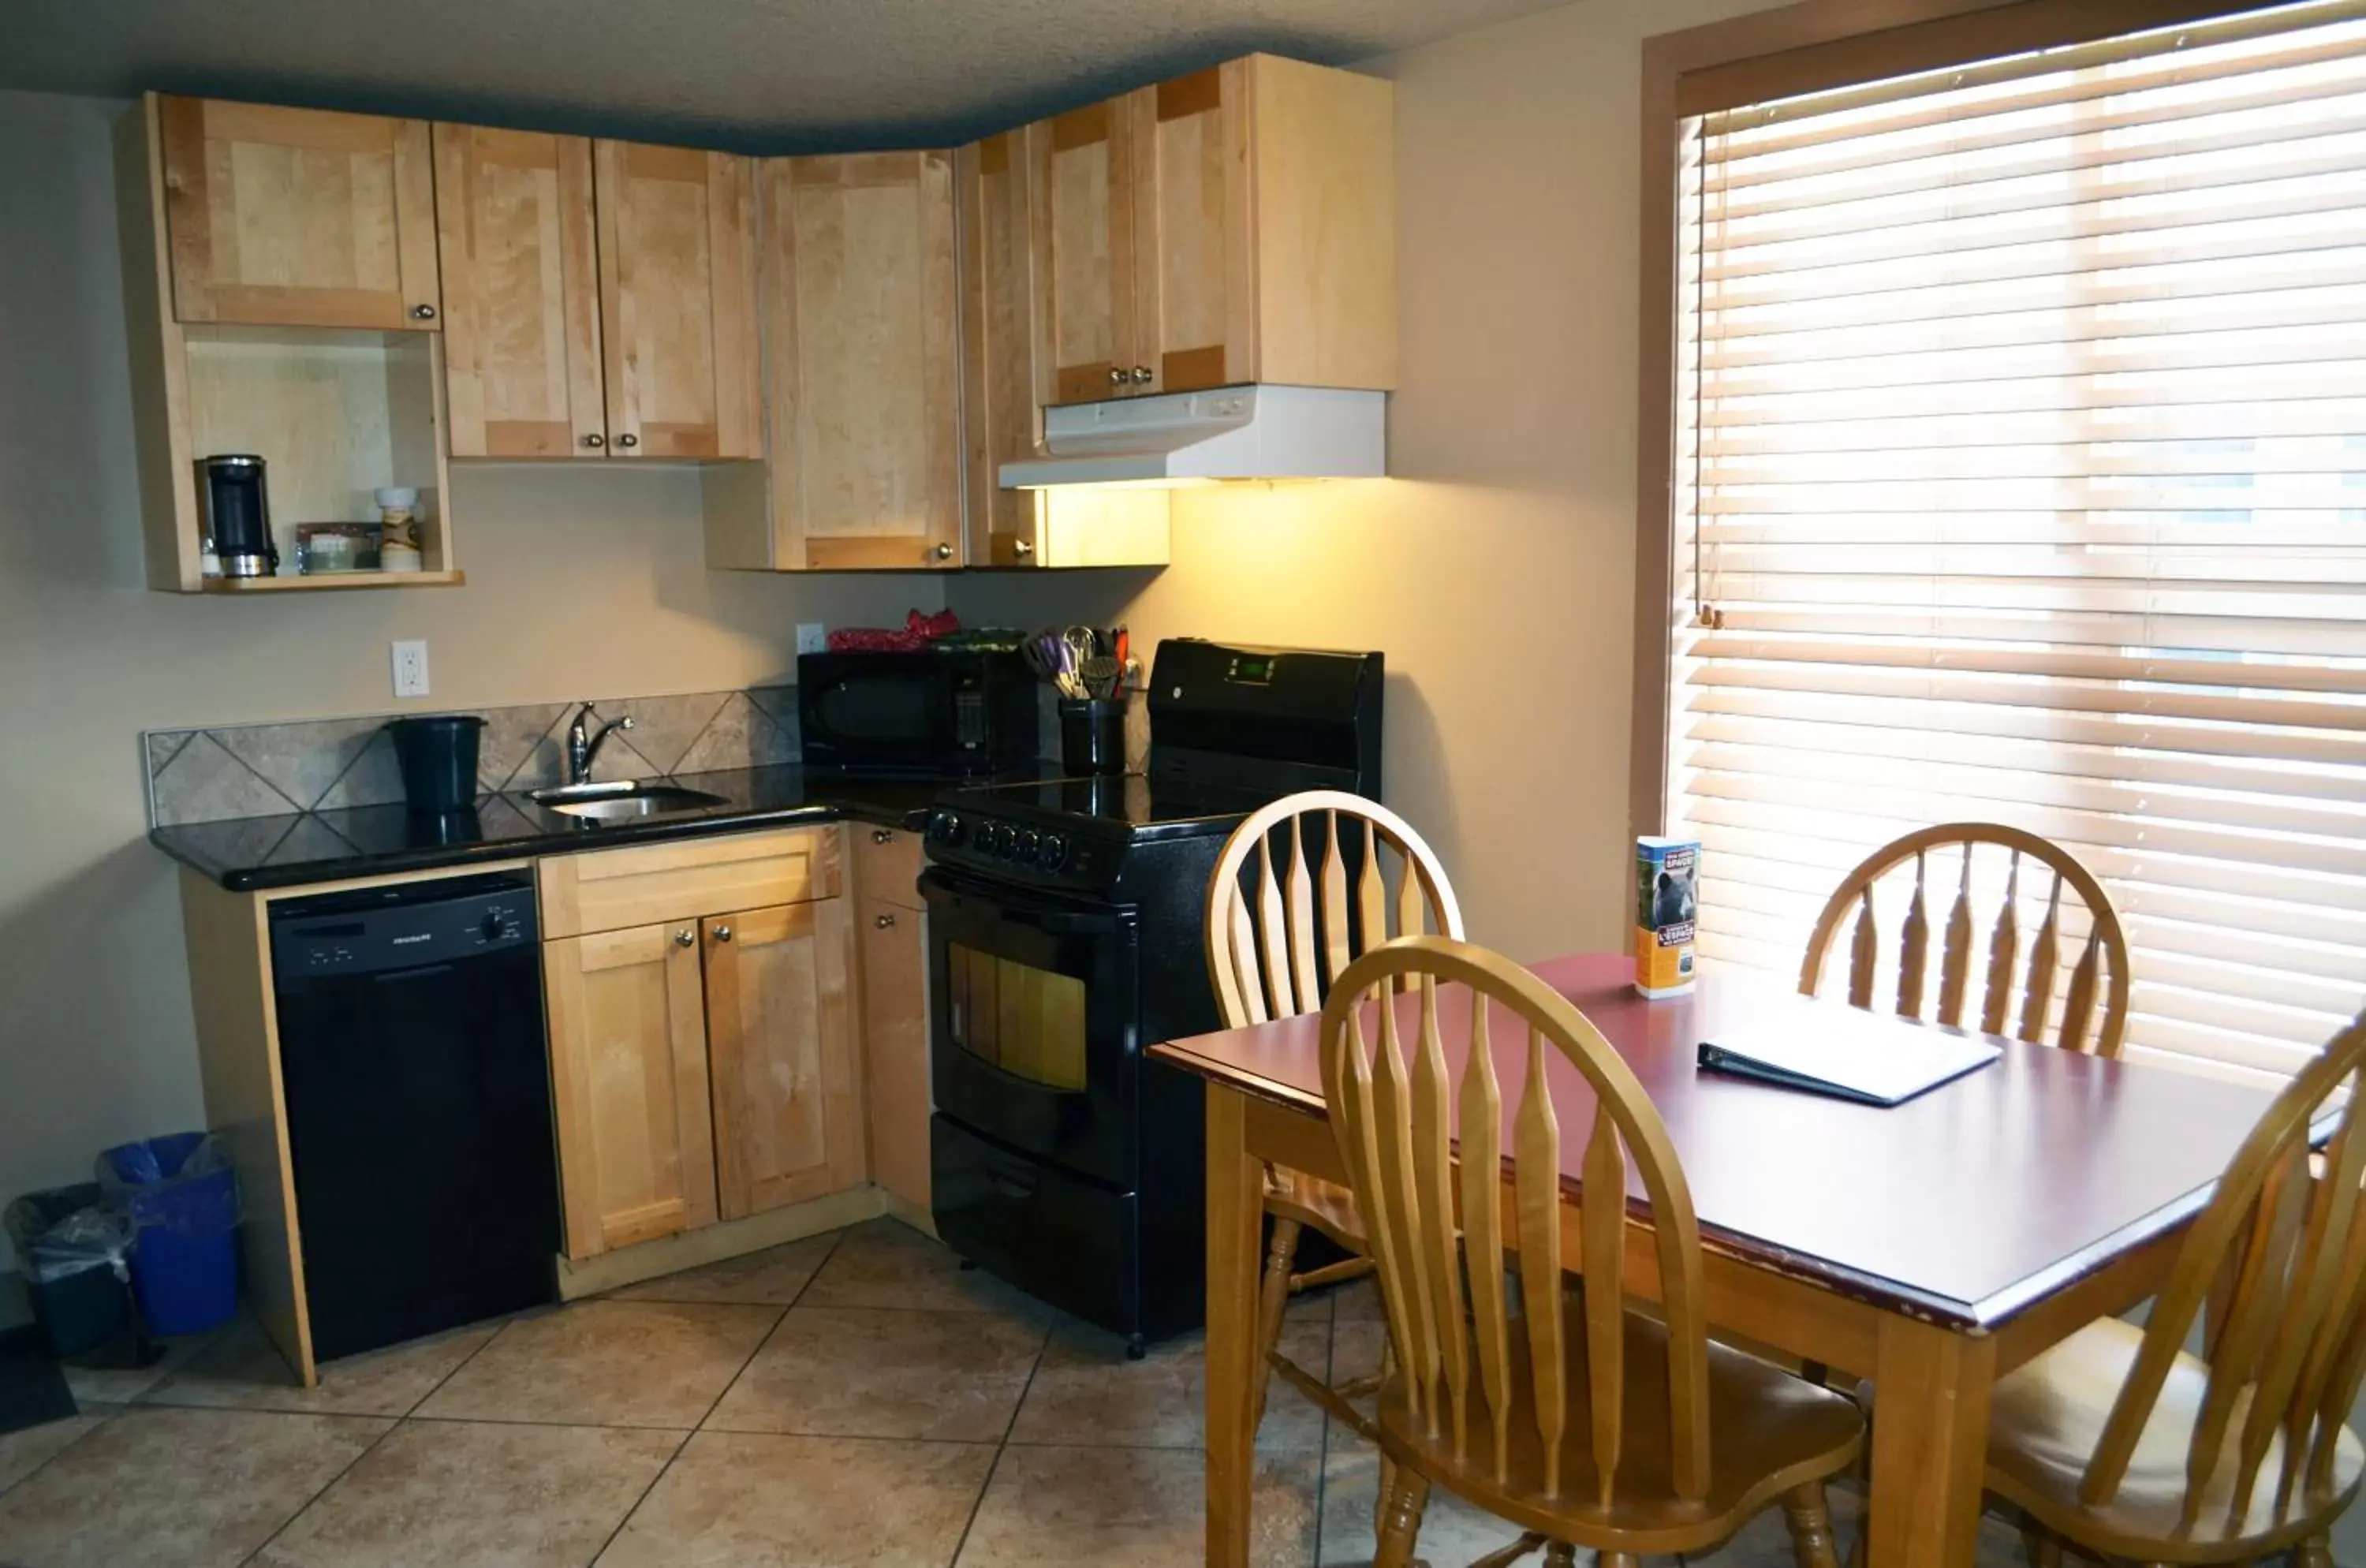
x=702, y=1045
x=1236, y=225
x=299, y=218
x=601, y=297
x=859, y=307
x=891, y=929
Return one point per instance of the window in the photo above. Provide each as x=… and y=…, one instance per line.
x=2019, y=475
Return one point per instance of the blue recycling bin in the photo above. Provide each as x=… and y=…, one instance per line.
x=182, y=1198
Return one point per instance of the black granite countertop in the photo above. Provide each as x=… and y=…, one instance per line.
x=251, y=852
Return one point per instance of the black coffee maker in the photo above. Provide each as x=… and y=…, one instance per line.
x=238, y=514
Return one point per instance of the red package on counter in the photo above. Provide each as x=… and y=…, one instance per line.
x=917, y=633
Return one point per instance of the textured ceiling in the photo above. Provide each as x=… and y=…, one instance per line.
x=761, y=76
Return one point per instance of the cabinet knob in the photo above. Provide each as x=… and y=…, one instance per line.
x=723, y=933
x=595, y=440
x=882, y=835
x=1142, y=374
x=422, y=313
x=628, y=439
x=884, y=922
x=942, y=552
x=1022, y=547
x=685, y=938
x=1117, y=375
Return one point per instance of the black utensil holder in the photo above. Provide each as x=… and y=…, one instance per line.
x=1092, y=734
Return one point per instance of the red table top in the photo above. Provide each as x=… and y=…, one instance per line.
x=1966, y=1205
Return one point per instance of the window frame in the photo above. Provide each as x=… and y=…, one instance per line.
x=1813, y=46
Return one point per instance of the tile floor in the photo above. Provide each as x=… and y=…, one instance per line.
x=853, y=1399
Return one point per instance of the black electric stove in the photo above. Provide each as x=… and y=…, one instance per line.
x=1064, y=939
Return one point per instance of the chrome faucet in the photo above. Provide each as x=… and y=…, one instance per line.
x=583, y=744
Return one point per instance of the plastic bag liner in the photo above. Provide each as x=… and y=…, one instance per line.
x=182, y=1183
x=87, y=1239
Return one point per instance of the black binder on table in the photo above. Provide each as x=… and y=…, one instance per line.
x=1848, y=1055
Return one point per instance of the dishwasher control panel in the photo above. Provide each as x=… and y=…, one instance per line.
x=406, y=926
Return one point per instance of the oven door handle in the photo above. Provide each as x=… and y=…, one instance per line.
x=1016, y=907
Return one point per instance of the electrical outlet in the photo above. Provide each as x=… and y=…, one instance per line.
x=812, y=637
x=409, y=669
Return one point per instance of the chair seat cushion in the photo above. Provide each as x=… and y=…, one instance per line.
x=1311, y=1201
x=2048, y=1415
x=1769, y=1431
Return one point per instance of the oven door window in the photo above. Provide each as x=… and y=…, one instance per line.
x=1028, y=1022
x=1035, y=1021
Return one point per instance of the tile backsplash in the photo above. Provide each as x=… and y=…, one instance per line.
x=267, y=770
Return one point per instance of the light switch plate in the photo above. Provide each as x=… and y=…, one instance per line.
x=812, y=637
x=410, y=669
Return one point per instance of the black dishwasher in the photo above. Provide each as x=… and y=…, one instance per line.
x=418, y=1096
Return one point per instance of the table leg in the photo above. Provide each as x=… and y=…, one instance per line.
x=1929, y=1444
x=1235, y=1215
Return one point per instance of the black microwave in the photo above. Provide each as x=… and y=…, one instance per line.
x=949, y=711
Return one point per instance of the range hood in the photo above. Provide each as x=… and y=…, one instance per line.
x=1227, y=433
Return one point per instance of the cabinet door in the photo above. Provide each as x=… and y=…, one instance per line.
x=788, y=1108
x=894, y=941
x=996, y=194
x=1084, y=254
x=299, y=218
x=1193, y=292
x=863, y=375
x=520, y=294
x=628, y=1074
x=677, y=301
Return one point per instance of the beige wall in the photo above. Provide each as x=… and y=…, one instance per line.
x=580, y=581
x=1496, y=568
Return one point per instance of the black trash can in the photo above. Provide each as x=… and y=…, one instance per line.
x=437, y=754
x=74, y=1255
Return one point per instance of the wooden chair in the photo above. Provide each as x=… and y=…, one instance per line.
x=1276, y=940
x=2102, y=961
x=2119, y=1443
x=1584, y=1423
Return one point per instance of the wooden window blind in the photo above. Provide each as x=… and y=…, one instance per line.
x=2020, y=476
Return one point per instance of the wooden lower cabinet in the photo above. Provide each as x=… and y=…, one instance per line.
x=781, y=1049
x=895, y=946
x=628, y=1069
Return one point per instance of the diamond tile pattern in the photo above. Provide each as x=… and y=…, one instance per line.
x=263, y=770
x=858, y=1398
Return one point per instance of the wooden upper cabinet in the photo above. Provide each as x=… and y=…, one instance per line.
x=1236, y=225
x=863, y=375
x=629, y=1073
x=788, y=1101
x=299, y=217
x=677, y=241
x=521, y=293
x=1196, y=317
x=1083, y=220
x=1002, y=423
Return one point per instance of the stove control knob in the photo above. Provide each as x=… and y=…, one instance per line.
x=1030, y=843
x=945, y=827
x=1053, y=853
x=991, y=837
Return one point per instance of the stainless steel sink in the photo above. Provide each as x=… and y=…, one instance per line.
x=622, y=800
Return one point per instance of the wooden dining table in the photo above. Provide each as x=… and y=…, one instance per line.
x=1933, y=1246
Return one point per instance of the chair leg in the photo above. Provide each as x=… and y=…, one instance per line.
x=1811, y=1527
x=1405, y=1494
x=2315, y=1552
x=1273, y=1300
x=2042, y=1548
x=1605, y=1559
x=1561, y=1554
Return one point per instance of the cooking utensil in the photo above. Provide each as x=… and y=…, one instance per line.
x=1100, y=674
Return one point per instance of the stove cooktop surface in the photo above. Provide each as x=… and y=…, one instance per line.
x=1128, y=801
